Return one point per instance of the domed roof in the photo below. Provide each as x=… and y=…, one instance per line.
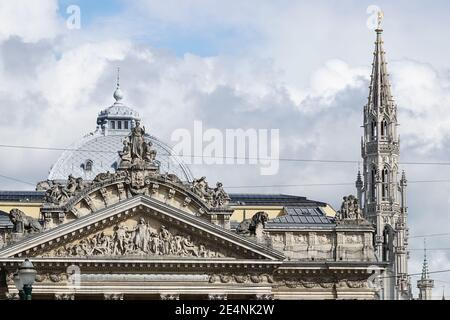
x=97, y=152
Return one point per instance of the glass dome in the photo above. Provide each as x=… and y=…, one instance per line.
x=97, y=152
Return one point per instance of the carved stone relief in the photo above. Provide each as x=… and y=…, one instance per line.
x=354, y=239
x=64, y=296
x=241, y=278
x=146, y=237
x=113, y=296
x=300, y=239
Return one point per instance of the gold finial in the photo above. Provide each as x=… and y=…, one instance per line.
x=380, y=16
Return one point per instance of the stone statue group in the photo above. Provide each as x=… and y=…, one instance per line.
x=141, y=240
x=58, y=193
x=216, y=197
x=135, y=149
x=350, y=209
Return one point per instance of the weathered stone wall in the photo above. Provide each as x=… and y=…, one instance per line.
x=324, y=245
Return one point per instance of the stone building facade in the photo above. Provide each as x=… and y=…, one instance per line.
x=134, y=224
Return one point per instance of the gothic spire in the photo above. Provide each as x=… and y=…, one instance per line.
x=425, y=263
x=380, y=97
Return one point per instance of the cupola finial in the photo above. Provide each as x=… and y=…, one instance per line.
x=118, y=95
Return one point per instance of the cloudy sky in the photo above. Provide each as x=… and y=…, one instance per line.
x=298, y=66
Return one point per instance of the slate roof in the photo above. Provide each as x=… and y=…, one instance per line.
x=4, y=220
x=272, y=200
x=301, y=216
x=22, y=196
x=299, y=211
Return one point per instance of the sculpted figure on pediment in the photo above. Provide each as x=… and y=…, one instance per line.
x=140, y=240
x=350, y=210
x=125, y=154
x=200, y=187
x=166, y=237
x=120, y=238
x=216, y=197
x=23, y=223
x=136, y=152
x=104, y=176
x=137, y=141
x=58, y=193
x=250, y=226
x=150, y=154
x=188, y=247
x=220, y=197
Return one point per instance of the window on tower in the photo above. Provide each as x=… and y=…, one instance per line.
x=372, y=184
x=385, y=184
x=384, y=129
x=373, y=130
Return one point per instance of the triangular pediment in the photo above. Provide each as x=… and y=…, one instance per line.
x=139, y=227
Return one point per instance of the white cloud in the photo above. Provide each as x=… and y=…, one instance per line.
x=31, y=20
x=423, y=97
x=53, y=88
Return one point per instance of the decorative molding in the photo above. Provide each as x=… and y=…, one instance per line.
x=241, y=278
x=217, y=297
x=113, y=296
x=64, y=296
x=171, y=296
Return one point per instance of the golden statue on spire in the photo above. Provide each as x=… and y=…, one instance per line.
x=380, y=16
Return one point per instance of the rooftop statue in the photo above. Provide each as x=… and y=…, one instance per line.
x=350, y=211
x=136, y=151
x=23, y=223
x=254, y=226
x=217, y=197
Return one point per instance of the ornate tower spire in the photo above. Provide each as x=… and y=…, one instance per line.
x=359, y=187
x=383, y=194
x=425, y=263
x=425, y=284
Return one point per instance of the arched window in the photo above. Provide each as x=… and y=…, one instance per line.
x=385, y=184
x=88, y=165
x=373, y=176
x=113, y=125
x=384, y=129
x=373, y=130
x=388, y=243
